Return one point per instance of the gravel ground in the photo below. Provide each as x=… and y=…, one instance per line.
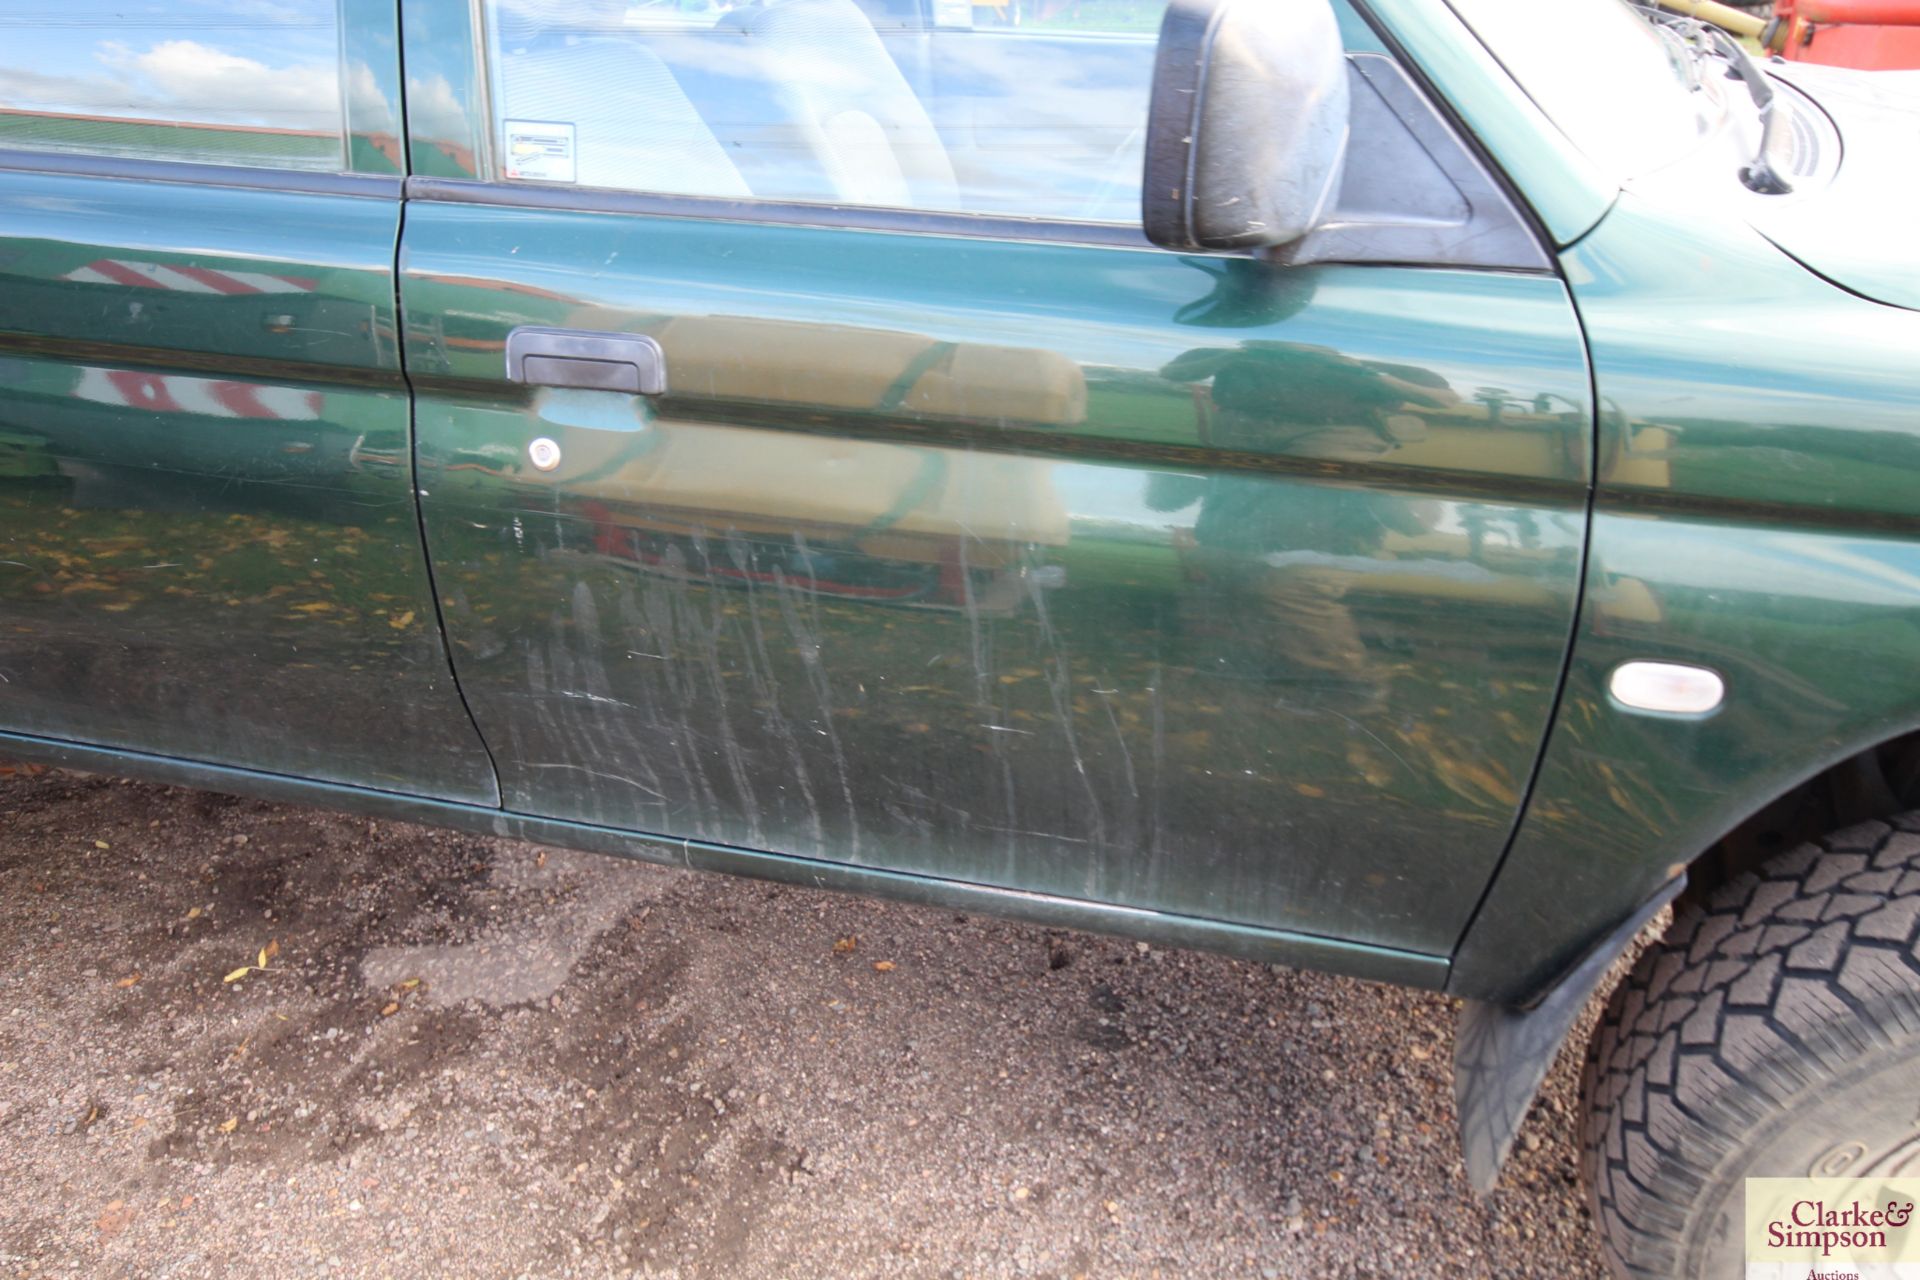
x=482, y=1058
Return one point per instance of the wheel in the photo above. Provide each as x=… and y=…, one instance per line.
x=1774, y=1032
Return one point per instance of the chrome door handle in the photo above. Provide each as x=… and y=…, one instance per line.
x=628, y=362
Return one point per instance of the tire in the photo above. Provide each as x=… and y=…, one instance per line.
x=1774, y=1032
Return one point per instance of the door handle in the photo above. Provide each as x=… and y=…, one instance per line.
x=628, y=362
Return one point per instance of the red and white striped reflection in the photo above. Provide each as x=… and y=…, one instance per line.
x=175, y=279
x=203, y=397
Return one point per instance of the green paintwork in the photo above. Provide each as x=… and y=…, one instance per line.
x=1202, y=600
x=214, y=553
x=1755, y=514
x=1185, y=584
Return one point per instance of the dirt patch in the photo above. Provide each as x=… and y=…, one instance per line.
x=480, y=1057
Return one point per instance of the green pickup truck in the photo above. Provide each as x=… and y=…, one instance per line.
x=1387, y=486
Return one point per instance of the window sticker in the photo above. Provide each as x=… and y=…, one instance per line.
x=540, y=150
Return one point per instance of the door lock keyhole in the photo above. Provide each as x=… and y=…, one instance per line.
x=544, y=454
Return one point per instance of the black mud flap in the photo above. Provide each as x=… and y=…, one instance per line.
x=1501, y=1054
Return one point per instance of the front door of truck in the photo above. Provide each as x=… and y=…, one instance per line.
x=815, y=459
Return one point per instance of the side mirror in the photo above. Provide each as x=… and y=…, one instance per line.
x=1247, y=134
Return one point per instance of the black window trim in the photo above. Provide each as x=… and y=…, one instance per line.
x=521, y=195
x=374, y=186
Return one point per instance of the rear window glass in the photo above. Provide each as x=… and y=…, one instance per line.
x=237, y=82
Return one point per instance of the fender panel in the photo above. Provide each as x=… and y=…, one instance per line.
x=1758, y=490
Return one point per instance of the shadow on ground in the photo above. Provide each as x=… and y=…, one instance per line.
x=478, y=1057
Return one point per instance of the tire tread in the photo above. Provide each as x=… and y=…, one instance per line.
x=1776, y=978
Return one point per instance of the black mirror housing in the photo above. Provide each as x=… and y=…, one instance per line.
x=1247, y=134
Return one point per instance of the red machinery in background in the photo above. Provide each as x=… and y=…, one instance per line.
x=1877, y=35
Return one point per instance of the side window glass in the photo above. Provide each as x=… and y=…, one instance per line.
x=912, y=104
x=1015, y=108
x=236, y=82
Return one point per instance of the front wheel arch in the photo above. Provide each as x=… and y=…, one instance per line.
x=1503, y=1053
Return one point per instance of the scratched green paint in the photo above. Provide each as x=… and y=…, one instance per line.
x=1185, y=584
x=1224, y=604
